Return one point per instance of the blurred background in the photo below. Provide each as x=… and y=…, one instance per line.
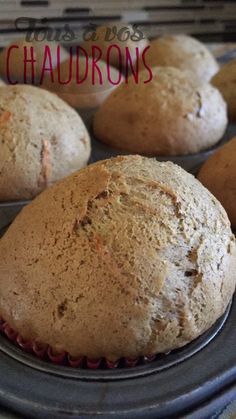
x=211, y=21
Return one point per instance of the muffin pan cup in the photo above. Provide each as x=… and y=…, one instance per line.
x=45, y=353
x=162, y=361
x=200, y=377
x=9, y=210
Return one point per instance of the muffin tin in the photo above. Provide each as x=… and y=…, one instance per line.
x=195, y=382
x=126, y=368
x=198, y=379
x=8, y=211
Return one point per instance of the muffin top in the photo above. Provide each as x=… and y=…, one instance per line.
x=218, y=174
x=16, y=63
x=87, y=86
x=127, y=257
x=170, y=115
x=225, y=81
x=185, y=53
x=42, y=140
x=119, y=34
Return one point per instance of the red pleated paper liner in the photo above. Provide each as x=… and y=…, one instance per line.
x=45, y=352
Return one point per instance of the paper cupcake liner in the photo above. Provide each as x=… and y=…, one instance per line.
x=45, y=353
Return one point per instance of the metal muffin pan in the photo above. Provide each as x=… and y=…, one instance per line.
x=162, y=361
x=9, y=210
x=192, y=378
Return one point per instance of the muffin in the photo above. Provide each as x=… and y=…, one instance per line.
x=122, y=40
x=170, y=115
x=16, y=60
x=183, y=52
x=91, y=92
x=42, y=140
x=225, y=81
x=218, y=174
x=125, y=258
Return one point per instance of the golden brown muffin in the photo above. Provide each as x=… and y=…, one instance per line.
x=16, y=59
x=127, y=257
x=92, y=91
x=42, y=140
x=170, y=115
x=184, y=53
x=225, y=81
x=218, y=174
x=120, y=41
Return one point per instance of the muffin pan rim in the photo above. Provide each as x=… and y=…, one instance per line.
x=170, y=392
x=160, y=364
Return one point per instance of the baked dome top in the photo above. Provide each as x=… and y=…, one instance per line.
x=183, y=52
x=169, y=115
x=42, y=140
x=126, y=257
x=218, y=174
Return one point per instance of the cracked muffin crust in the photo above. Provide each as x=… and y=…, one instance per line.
x=225, y=81
x=127, y=257
x=42, y=139
x=170, y=115
x=182, y=52
x=218, y=174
